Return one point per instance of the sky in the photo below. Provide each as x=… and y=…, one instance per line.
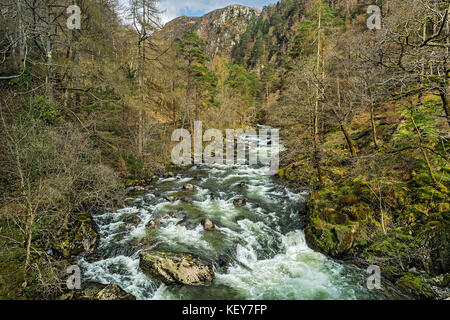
x=175, y=8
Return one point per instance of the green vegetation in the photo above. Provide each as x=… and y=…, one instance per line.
x=364, y=116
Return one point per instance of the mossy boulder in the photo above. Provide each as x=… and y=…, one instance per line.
x=415, y=287
x=337, y=222
x=176, y=268
x=81, y=239
x=435, y=235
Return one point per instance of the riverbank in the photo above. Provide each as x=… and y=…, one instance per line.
x=380, y=208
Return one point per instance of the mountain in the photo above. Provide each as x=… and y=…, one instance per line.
x=221, y=29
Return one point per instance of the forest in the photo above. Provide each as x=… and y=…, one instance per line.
x=87, y=115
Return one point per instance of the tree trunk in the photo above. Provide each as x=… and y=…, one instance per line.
x=21, y=32
x=316, y=139
x=350, y=144
x=374, y=127
x=49, y=52
x=444, y=97
x=141, y=132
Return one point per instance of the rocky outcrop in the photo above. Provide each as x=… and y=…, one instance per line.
x=221, y=29
x=176, y=268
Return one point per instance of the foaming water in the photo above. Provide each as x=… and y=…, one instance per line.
x=262, y=242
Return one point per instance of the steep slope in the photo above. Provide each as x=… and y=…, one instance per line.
x=221, y=29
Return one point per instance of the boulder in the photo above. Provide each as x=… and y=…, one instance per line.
x=113, y=292
x=188, y=186
x=176, y=268
x=208, y=225
x=213, y=196
x=82, y=239
x=171, y=198
x=153, y=224
x=239, y=202
x=415, y=287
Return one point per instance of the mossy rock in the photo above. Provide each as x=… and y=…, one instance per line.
x=435, y=235
x=82, y=238
x=415, y=287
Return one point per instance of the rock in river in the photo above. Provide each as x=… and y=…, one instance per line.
x=188, y=186
x=176, y=268
x=208, y=225
x=239, y=202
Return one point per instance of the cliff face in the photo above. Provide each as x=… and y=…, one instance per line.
x=221, y=29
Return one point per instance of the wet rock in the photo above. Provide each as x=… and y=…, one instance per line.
x=171, y=198
x=188, y=186
x=176, y=268
x=135, y=189
x=129, y=201
x=178, y=215
x=239, y=202
x=130, y=189
x=98, y=291
x=153, y=224
x=242, y=185
x=187, y=224
x=208, y=225
x=239, y=218
x=113, y=292
x=213, y=196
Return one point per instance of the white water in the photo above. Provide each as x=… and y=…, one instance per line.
x=271, y=258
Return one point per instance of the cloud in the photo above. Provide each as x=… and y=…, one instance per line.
x=174, y=8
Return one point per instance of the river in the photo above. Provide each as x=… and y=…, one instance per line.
x=262, y=242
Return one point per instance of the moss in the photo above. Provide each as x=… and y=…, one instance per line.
x=415, y=286
x=11, y=272
x=443, y=207
x=282, y=172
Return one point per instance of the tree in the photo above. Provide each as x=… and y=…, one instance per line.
x=201, y=82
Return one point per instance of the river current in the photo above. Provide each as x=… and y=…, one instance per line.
x=259, y=249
